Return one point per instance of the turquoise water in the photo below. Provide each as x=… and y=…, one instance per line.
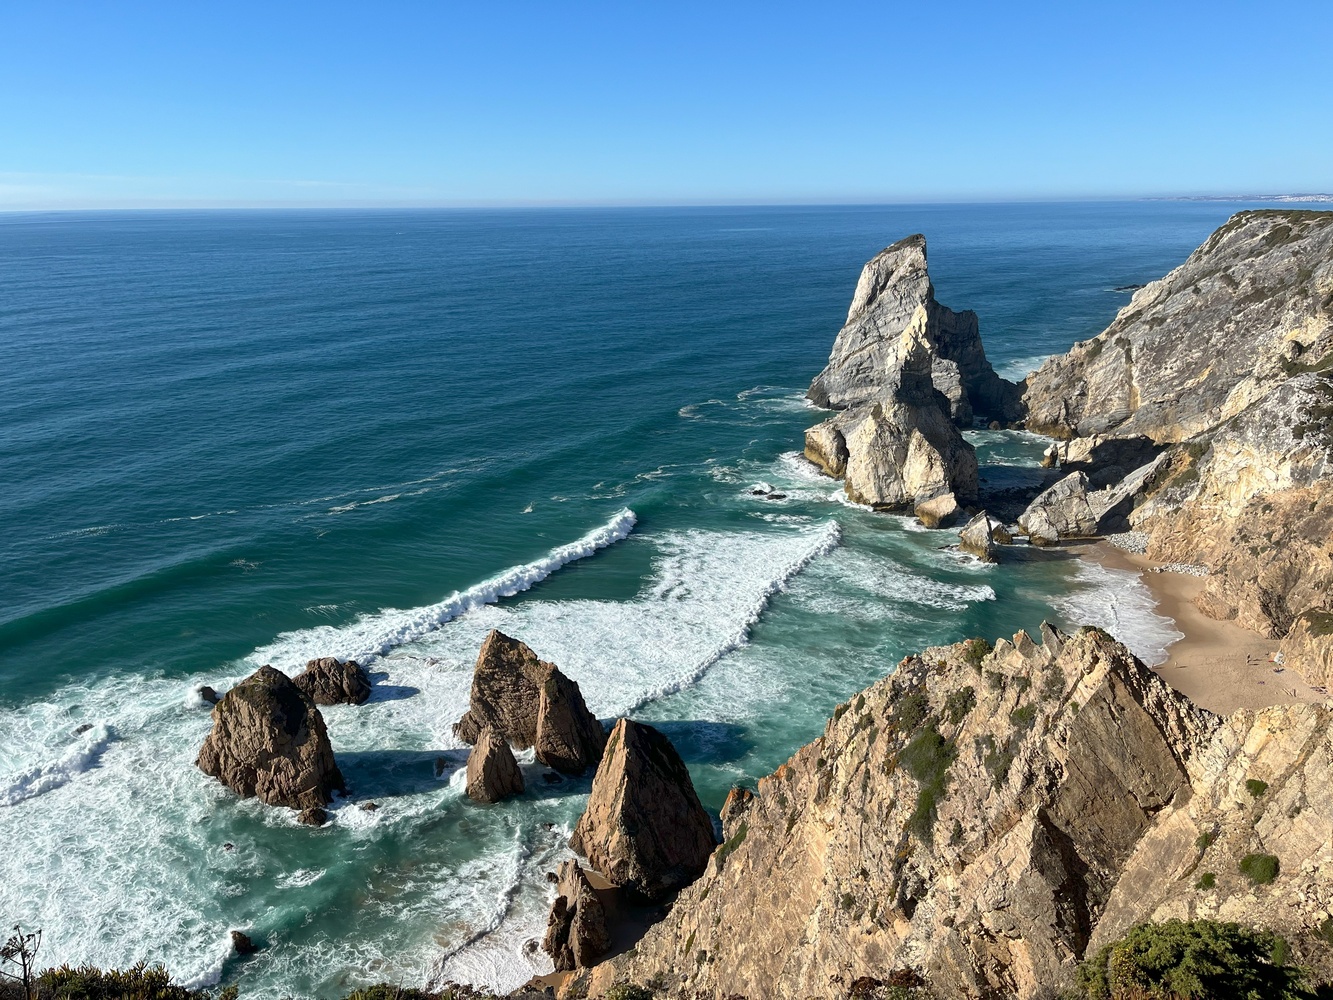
x=230, y=439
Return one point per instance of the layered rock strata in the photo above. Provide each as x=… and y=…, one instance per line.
x=576, y=933
x=330, y=681
x=530, y=703
x=492, y=771
x=986, y=818
x=906, y=373
x=269, y=741
x=644, y=828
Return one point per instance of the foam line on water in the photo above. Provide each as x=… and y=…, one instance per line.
x=44, y=777
x=374, y=635
x=1118, y=601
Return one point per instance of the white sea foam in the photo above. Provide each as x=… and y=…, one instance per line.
x=38, y=778
x=374, y=635
x=1118, y=601
x=1020, y=368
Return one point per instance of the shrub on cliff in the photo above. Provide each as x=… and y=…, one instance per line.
x=1197, y=960
x=141, y=982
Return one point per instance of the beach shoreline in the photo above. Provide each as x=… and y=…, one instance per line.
x=1217, y=664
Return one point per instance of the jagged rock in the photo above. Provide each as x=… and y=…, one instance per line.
x=990, y=820
x=313, y=816
x=241, y=943
x=330, y=681
x=207, y=694
x=83, y=728
x=978, y=537
x=492, y=771
x=1062, y=511
x=531, y=703
x=937, y=511
x=576, y=934
x=643, y=827
x=1307, y=647
x=268, y=740
x=894, y=292
x=738, y=800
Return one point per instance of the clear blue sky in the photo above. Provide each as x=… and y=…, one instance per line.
x=488, y=102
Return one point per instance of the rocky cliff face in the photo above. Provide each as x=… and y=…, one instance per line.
x=906, y=373
x=268, y=740
x=1216, y=382
x=985, y=818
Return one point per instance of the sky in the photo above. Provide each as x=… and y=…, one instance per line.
x=488, y=102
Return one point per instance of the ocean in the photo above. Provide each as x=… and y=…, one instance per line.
x=237, y=438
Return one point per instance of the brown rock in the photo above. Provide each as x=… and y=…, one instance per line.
x=738, y=801
x=268, y=740
x=492, y=771
x=576, y=934
x=330, y=681
x=314, y=816
x=644, y=827
x=241, y=943
x=531, y=703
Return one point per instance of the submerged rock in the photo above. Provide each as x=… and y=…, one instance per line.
x=644, y=827
x=576, y=933
x=492, y=771
x=531, y=703
x=330, y=681
x=269, y=741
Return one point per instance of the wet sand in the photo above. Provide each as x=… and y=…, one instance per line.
x=1218, y=665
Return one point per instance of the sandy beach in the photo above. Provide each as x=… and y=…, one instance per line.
x=1218, y=665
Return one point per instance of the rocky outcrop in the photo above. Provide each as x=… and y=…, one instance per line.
x=1307, y=647
x=268, y=740
x=986, y=818
x=576, y=934
x=1227, y=365
x=979, y=537
x=894, y=292
x=906, y=373
x=330, y=681
x=531, y=703
x=1062, y=511
x=644, y=828
x=492, y=771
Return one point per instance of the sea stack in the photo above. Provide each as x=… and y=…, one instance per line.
x=269, y=741
x=330, y=681
x=492, y=771
x=644, y=827
x=905, y=373
x=530, y=703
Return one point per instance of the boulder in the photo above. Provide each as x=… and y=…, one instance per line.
x=492, y=771
x=978, y=537
x=644, y=827
x=268, y=740
x=207, y=694
x=531, y=703
x=1060, y=512
x=576, y=933
x=330, y=681
x=938, y=511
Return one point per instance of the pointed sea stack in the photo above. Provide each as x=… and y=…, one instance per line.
x=531, y=703
x=492, y=771
x=644, y=827
x=268, y=741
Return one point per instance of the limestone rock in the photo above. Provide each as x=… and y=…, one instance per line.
x=531, y=703
x=978, y=537
x=1062, y=511
x=330, y=681
x=576, y=933
x=268, y=740
x=1307, y=647
x=894, y=291
x=938, y=511
x=492, y=771
x=826, y=447
x=644, y=827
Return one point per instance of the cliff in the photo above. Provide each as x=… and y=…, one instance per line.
x=987, y=818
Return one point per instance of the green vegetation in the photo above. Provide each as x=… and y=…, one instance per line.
x=1260, y=869
x=629, y=991
x=1198, y=960
x=1325, y=931
x=995, y=759
x=910, y=711
x=1023, y=718
x=927, y=759
x=387, y=991
x=1205, y=840
x=1206, y=881
x=141, y=982
x=732, y=843
x=1256, y=787
x=976, y=651
x=958, y=704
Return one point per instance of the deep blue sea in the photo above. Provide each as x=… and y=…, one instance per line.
x=236, y=438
